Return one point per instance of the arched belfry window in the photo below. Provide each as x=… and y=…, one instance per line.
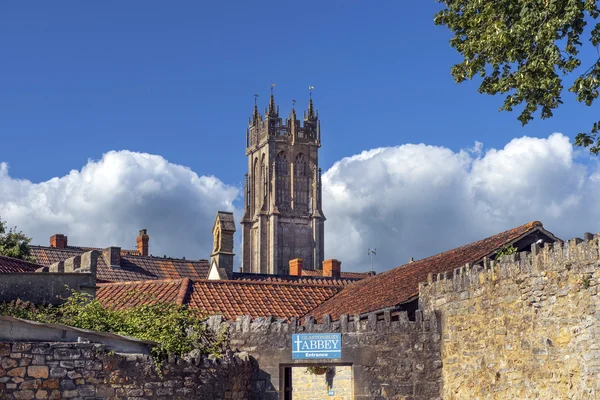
x=300, y=183
x=256, y=186
x=282, y=170
x=264, y=179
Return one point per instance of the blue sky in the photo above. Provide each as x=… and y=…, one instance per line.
x=80, y=79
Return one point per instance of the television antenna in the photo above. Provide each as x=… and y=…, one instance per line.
x=372, y=253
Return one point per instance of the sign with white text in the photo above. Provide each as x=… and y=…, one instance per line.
x=316, y=345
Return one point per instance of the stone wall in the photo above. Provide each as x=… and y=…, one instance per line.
x=45, y=287
x=87, y=371
x=52, y=284
x=390, y=356
x=527, y=327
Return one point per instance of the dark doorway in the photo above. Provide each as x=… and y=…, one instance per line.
x=287, y=383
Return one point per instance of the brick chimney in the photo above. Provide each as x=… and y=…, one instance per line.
x=112, y=256
x=296, y=267
x=332, y=268
x=59, y=241
x=142, y=242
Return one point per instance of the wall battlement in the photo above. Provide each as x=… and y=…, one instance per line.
x=574, y=255
x=425, y=321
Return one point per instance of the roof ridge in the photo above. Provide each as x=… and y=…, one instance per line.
x=144, y=282
x=528, y=226
x=20, y=260
x=183, y=291
x=250, y=274
x=261, y=283
x=79, y=248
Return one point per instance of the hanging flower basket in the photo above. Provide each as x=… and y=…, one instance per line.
x=317, y=370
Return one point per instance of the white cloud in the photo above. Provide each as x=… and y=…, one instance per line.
x=109, y=200
x=406, y=201
x=418, y=200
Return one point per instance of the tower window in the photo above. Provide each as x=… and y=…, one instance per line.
x=282, y=168
x=301, y=183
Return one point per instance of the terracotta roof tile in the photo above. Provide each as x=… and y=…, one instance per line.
x=258, y=299
x=133, y=267
x=15, y=265
x=401, y=284
x=129, y=294
x=227, y=298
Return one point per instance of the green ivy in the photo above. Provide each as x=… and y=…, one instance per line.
x=177, y=329
x=506, y=251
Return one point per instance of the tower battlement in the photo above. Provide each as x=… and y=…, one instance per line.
x=269, y=126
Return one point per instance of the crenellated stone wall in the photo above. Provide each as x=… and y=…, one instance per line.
x=43, y=370
x=390, y=357
x=526, y=327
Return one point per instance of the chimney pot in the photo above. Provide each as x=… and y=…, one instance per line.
x=59, y=241
x=142, y=242
x=296, y=267
x=332, y=268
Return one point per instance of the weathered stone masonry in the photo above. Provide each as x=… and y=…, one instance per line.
x=88, y=371
x=390, y=356
x=527, y=327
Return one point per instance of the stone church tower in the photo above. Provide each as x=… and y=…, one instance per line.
x=283, y=219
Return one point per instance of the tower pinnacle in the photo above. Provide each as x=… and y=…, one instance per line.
x=255, y=114
x=311, y=109
x=273, y=111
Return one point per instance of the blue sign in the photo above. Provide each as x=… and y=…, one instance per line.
x=316, y=345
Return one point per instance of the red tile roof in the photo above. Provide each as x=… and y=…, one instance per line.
x=227, y=298
x=133, y=267
x=258, y=299
x=12, y=265
x=401, y=284
x=129, y=294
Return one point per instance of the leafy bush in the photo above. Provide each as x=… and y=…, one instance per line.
x=175, y=328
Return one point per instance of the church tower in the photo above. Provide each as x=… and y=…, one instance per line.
x=283, y=219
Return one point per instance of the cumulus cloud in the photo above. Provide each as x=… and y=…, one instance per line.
x=407, y=201
x=417, y=200
x=109, y=200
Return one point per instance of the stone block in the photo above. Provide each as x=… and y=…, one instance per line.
x=21, y=347
x=8, y=363
x=4, y=349
x=50, y=384
x=31, y=384
x=16, y=372
x=58, y=372
x=38, y=371
x=23, y=395
x=67, y=354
